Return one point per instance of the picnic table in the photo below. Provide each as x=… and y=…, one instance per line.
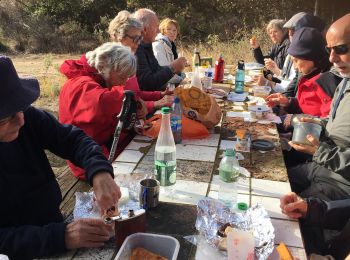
x=197, y=177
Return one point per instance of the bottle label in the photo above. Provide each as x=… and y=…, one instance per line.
x=165, y=172
x=176, y=123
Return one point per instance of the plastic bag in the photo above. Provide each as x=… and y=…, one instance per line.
x=191, y=129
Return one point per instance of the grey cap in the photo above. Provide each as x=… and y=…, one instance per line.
x=304, y=19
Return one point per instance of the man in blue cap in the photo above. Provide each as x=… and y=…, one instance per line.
x=31, y=224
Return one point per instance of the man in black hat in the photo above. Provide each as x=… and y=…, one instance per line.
x=31, y=224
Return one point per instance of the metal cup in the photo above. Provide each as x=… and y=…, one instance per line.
x=149, y=193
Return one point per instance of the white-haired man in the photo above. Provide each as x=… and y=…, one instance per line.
x=150, y=75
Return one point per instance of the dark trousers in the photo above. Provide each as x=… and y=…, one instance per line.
x=304, y=181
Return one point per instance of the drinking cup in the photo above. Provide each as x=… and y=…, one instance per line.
x=149, y=193
x=302, y=129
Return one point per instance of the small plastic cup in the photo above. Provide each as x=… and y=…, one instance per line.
x=261, y=91
x=240, y=245
x=302, y=129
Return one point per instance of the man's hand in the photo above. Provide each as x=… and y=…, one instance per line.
x=305, y=148
x=106, y=191
x=179, y=64
x=293, y=206
x=141, y=109
x=271, y=65
x=277, y=99
x=166, y=101
x=87, y=233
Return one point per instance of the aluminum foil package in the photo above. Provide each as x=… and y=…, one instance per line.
x=212, y=214
x=86, y=206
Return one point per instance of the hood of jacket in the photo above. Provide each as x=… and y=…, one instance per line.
x=77, y=68
x=163, y=38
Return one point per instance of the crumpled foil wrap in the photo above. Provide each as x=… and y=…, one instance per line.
x=86, y=206
x=212, y=214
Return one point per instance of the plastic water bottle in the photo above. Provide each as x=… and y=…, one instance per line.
x=165, y=152
x=239, y=80
x=196, y=79
x=229, y=173
x=176, y=120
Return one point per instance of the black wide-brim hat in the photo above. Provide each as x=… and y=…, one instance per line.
x=16, y=94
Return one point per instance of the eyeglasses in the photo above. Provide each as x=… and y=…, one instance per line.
x=9, y=118
x=339, y=49
x=136, y=38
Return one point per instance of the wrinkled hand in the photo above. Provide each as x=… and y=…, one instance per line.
x=141, y=109
x=310, y=120
x=167, y=91
x=179, y=64
x=271, y=65
x=166, y=101
x=305, y=148
x=87, y=233
x=106, y=191
x=293, y=206
x=277, y=99
x=254, y=43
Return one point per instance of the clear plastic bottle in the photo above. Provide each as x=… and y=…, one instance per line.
x=196, y=79
x=239, y=80
x=229, y=173
x=176, y=120
x=165, y=152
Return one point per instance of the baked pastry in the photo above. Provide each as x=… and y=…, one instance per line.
x=139, y=253
x=284, y=252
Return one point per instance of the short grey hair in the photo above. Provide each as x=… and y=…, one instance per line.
x=145, y=16
x=121, y=24
x=278, y=24
x=112, y=56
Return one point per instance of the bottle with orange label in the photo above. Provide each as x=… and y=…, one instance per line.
x=219, y=70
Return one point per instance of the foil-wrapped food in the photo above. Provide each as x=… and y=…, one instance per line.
x=213, y=218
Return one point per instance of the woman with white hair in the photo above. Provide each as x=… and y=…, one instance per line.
x=127, y=31
x=93, y=94
x=278, y=52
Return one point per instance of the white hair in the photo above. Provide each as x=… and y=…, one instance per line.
x=112, y=56
x=145, y=16
x=121, y=25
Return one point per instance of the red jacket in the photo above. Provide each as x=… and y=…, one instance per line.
x=87, y=104
x=312, y=99
x=148, y=96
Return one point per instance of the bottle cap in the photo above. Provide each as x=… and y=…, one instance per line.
x=242, y=206
x=230, y=152
x=176, y=100
x=165, y=110
x=241, y=65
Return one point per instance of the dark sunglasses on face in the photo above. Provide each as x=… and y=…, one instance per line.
x=339, y=49
x=136, y=38
x=8, y=119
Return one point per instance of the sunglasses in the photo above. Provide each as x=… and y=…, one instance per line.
x=136, y=38
x=339, y=49
x=8, y=119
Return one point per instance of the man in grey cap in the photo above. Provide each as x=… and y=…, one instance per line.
x=31, y=224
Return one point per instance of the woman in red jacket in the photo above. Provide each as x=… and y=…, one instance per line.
x=93, y=94
x=127, y=30
x=310, y=59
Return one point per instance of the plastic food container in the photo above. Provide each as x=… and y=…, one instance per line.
x=259, y=111
x=165, y=246
x=302, y=129
x=261, y=91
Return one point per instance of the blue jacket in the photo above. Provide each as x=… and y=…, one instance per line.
x=31, y=224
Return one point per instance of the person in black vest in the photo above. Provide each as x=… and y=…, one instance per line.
x=31, y=224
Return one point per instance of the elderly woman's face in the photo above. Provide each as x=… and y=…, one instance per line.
x=9, y=127
x=132, y=39
x=276, y=35
x=303, y=66
x=171, y=32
